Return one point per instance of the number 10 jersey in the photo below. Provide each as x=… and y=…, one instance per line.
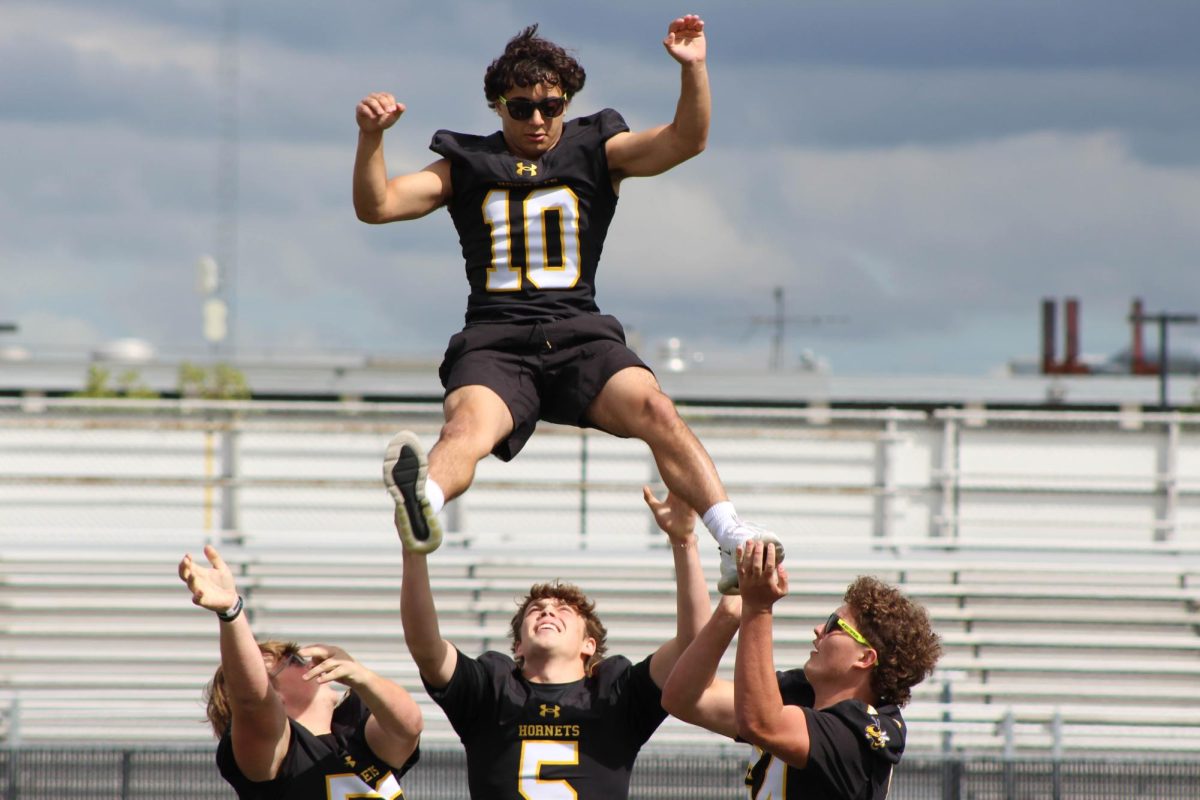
x=532, y=230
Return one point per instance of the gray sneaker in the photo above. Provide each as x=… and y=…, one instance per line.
x=744, y=532
x=404, y=472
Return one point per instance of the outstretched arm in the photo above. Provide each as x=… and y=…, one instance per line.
x=694, y=693
x=395, y=724
x=377, y=199
x=677, y=520
x=656, y=150
x=762, y=718
x=259, y=724
x=435, y=657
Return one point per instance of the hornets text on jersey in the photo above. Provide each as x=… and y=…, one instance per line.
x=532, y=740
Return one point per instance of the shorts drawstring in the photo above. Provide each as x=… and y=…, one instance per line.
x=542, y=333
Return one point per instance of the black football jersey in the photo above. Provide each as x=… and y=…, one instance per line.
x=530, y=740
x=332, y=766
x=852, y=750
x=532, y=230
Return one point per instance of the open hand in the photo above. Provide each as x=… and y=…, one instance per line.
x=332, y=663
x=685, y=39
x=675, y=517
x=212, y=587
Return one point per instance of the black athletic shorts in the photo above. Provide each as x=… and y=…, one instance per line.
x=541, y=370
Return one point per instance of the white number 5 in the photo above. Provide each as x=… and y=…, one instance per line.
x=536, y=753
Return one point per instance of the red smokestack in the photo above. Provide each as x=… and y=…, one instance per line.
x=1137, y=351
x=1049, y=309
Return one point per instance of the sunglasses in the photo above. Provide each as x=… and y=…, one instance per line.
x=521, y=108
x=285, y=662
x=836, y=623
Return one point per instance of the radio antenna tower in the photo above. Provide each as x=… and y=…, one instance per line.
x=779, y=321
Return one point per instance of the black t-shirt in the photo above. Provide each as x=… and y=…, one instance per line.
x=532, y=230
x=852, y=749
x=585, y=734
x=332, y=766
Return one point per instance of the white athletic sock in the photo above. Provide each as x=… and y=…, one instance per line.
x=435, y=496
x=720, y=520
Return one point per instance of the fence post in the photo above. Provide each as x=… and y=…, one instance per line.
x=1056, y=730
x=1010, y=748
x=952, y=779
x=230, y=474
x=583, y=488
x=13, y=746
x=126, y=770
x=947, y=734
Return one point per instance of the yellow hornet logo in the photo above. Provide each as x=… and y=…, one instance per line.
x=527, y=169
x=549, y=711
x=877, y=737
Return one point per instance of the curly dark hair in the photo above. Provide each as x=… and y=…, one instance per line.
x=900, y=631
x=567, y=594
x=529, y=60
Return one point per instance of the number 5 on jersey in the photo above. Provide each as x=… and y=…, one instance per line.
x=549, y=250
x=535, y=754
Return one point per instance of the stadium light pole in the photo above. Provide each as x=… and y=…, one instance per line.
x=1164, y=321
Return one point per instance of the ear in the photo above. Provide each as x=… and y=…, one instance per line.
x=868, y=660
x=589, y=646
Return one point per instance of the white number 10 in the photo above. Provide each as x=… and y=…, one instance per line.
x=551, y=258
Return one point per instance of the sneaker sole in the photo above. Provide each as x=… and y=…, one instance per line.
x=405, y=470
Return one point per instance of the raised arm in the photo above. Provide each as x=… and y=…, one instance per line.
x=259, y=727
x=376, y=198
x=434, y=656
x=656, y=150
x=694, y=693
x=677, y=520
x=395, y=724
x=762, y=718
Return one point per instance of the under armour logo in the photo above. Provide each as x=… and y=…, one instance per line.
x=350, y=762
x=526, y=169
x=549, y=710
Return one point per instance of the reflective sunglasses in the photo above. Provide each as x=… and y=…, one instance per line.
x=290, y=658
x=521, y=108
x=836, y=623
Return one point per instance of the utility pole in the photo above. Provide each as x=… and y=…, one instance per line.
x=778, y=323
x=227, y=174
x=1163, y=320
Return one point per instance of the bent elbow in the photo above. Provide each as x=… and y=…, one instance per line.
x=752, y=729
x=673, y=705
x=370, y=216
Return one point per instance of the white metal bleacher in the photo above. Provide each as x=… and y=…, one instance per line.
x=1057, y=552
x=1086, y=651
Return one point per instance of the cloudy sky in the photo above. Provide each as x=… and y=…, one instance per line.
x=919, y=173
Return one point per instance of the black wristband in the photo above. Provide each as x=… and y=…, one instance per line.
x=231, y=614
